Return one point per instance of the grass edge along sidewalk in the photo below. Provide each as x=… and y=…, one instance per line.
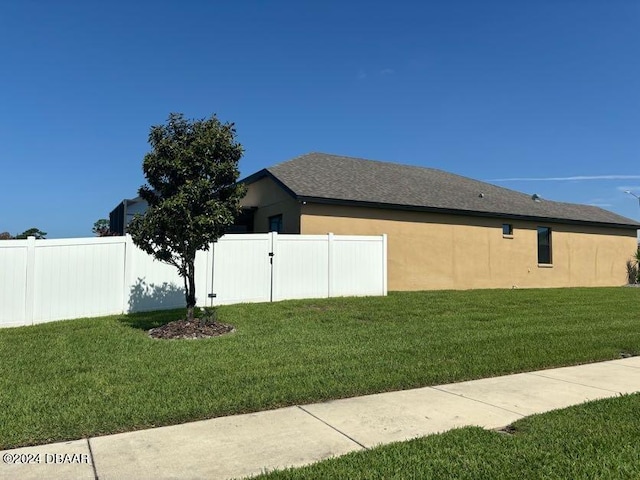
x=79, y=378
x=598, y=439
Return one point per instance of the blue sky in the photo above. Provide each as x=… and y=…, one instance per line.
x=540, y=96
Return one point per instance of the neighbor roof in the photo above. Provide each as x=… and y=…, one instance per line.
x=324, y=178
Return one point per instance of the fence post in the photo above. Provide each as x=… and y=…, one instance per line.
x=384, y=264
x=29, y=298
x=330, y=266
x=210, y=272
x=126, y=272
x=272, y=266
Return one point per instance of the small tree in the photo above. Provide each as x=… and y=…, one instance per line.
x=632, y=272
x=192, y=193
x=101, y=228
x=5, y=236
x=32, y=232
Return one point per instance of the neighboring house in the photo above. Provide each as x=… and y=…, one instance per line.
x=121, y=216
x=444, y=231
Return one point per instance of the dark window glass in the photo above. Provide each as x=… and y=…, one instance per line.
x=507, y=229
x=275, y=223
x=544, y=245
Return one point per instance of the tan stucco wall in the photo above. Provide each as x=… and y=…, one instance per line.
x=272, y=200
x=437, y=251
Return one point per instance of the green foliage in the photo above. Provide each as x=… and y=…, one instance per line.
x=101, y=228
x=32, y=232
x=209, y=313
x=632, y=272
x=633, y=268
x=192, y=192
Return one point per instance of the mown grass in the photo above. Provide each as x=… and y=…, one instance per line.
x=595, y=440
x=87, y=377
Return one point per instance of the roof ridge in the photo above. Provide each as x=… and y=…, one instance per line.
x=332, y=177
x=368, y=160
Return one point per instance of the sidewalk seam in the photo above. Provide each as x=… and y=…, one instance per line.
x=539, y=374
x=479, y=401
x=332, y=427
x=93, y=460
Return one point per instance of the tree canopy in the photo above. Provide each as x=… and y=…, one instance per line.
x=101, y=228
x=192, y=192
x=32, y=232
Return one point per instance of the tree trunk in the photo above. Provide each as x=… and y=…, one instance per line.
x=190, y=290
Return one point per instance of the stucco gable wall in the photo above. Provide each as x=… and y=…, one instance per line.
x=270, y=199
x=437, y=251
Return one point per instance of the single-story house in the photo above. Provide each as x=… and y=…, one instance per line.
x=444, y=231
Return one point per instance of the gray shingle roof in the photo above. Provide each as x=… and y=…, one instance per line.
x=333, y=178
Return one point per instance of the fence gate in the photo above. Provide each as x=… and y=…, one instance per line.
x=242, y=269
x=270, y=267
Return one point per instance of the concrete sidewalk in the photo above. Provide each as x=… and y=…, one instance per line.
x=243, y=445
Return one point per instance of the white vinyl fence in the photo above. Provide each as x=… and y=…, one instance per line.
x=46, y=280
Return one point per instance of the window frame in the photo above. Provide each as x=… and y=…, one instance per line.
x=545, y=258
x=280, y=223
x=509, y=230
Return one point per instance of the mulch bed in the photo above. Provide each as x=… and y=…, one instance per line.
x=184, y=329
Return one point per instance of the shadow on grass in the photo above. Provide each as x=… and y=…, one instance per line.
x=148, y=320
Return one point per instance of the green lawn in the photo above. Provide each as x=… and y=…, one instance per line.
x=78, y=378
x=598, y=440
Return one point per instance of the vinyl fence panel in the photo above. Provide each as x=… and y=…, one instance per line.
x=46, y=280
x=13, y=282
x=204, y=276
x=77, y=278
x=154, y=285
x=359, y=265
x=151, y=284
